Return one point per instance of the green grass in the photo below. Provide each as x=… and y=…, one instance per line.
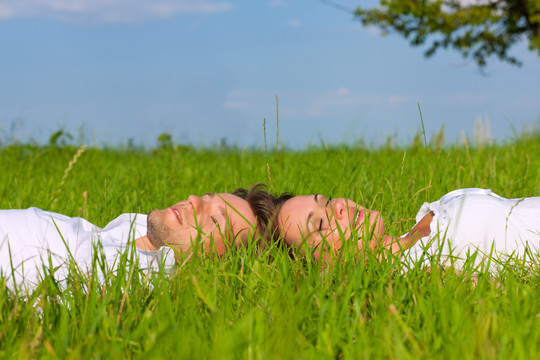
x=266, y=305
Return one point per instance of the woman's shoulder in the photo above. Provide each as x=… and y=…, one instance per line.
x=452, y=195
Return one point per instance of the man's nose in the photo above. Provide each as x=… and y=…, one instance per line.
x=196, y=202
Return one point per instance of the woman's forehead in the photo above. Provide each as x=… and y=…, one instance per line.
x=296, y=209
x=303, y=202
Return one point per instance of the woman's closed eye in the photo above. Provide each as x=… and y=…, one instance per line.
x=318, y=226
x=328, y=202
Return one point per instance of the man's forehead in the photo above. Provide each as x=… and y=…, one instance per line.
x=229, y=197
x=238, y=205
x=226, y=197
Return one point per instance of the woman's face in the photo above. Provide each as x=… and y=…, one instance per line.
x=322, y=223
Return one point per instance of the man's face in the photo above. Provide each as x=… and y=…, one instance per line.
x=213, y=221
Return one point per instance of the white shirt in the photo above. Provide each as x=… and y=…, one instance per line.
x=30, y=238
x=466, y=221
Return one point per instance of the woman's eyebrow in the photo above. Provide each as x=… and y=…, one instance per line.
x=317, y=200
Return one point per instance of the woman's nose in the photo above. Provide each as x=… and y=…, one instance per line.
x=196, y=202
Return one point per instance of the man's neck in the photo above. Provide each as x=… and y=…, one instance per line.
x=144, y=243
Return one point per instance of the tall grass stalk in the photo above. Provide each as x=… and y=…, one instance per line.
x=277, y=124
x=422, y=122
x=67, y=171
x=266, y=156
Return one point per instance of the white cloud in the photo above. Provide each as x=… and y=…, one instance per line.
x=342, y=98
x=464, y=98
x=343, y=91
x=5, y=12
x=232, y=105
x=295, y=23
x=309, y=105
x=373, y=31
x=278, y=3
x=397, y=99
x=108, y=11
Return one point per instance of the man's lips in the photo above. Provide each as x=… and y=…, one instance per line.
x=177, y=213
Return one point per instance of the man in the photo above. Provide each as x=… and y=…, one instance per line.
x=34, y=241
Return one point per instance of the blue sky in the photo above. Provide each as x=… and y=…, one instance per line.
x=204, y=70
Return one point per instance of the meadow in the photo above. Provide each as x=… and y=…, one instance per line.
x=266, y=304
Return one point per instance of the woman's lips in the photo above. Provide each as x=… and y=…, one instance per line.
x=359, y=218
x=356, y=213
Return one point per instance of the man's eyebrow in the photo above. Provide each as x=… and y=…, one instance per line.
x=317, y=198
x=210, y=194
x=223, y=211
x=228, y=223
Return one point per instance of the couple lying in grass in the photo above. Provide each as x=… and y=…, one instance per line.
x=462, y=222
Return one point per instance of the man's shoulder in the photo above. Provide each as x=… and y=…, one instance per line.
x=29, y=214
x=128, y=218
x=132, y=223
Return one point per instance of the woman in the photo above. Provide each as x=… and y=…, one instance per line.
x=463, y=222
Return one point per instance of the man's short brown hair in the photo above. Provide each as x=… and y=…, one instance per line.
x=266, y=207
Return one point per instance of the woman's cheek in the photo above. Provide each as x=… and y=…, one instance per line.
x=377, y=223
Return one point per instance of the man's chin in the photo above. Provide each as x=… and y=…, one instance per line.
x=157, y=232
